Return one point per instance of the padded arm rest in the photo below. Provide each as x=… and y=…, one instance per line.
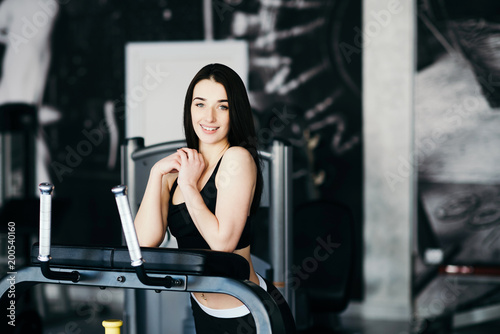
x=158, y=149
x=160, y=260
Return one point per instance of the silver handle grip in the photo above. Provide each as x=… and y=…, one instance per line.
x=128, y=225
x=45, y=221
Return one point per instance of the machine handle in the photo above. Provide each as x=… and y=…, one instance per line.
x=134, y=249
x=128, y=225
x=45, y=220
x=44, y=237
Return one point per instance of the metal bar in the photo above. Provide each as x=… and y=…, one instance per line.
x=277, y=223
x=44, y=237
x=142, y=152
x=128, y=168
x=475, y=279
x=264, y=309
x=288, y=222
x=476, y=316
x=7, y=154
x=128, y=225
x=128, y=177
x=265, y=155
x=259, y=302
x=30, y=165
x=2, y=169
x=45, y=221
x=110, y=279
x=208, y=20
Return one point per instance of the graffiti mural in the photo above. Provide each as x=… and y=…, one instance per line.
x=457, y=118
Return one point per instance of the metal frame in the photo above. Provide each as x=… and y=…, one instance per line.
x=280, y=222
x=259, y=302
x=21, y=121
x=476, y=316
x=261, y=305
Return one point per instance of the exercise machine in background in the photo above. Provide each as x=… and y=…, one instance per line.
x=166, y=269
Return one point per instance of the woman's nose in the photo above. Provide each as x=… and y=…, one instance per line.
x=210, y=115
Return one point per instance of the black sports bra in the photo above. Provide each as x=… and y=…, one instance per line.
x=182, y=226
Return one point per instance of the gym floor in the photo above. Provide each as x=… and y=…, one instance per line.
x=82, y=310
x=79, y=324
x=364, y=326
x=349, y=327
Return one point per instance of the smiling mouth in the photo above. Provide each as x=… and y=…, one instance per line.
x=207, y=128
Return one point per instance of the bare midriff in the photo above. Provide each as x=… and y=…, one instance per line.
x=223, y=301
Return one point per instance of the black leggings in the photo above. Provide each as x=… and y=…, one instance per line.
x=207, y=324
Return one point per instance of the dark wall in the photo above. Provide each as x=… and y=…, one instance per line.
x=88, y=71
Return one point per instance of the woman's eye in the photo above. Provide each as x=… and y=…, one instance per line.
x=199, y=105
x=224, y=107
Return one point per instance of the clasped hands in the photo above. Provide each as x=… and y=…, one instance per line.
x=189, y=163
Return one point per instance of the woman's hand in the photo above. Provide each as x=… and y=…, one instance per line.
x=192, y=166
x=169, y=164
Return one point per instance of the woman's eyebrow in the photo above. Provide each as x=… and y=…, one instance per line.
x=203, y=99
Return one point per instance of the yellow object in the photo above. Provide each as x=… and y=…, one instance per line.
x=112, y=326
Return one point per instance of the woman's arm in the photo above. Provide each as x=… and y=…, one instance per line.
x=151, y=219
x=235, y=182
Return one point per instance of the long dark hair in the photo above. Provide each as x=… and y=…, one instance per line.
x=241, y=126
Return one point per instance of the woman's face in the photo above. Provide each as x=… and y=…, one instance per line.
x=210, y=112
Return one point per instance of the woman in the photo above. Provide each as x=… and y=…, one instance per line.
x=207, y=192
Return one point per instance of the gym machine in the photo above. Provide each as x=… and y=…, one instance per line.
x=165, y=269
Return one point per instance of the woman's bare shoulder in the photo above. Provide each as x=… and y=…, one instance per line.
x=237, y=153
x=237, y=159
